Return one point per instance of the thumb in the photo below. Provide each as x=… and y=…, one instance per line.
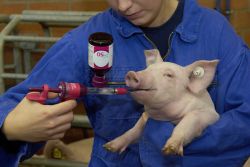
x=52, y=95
x=34, y=96
x=63, y=107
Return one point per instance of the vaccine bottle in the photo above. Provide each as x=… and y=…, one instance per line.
x=100, y=56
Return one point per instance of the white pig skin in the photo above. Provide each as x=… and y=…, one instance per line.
x=170, y=92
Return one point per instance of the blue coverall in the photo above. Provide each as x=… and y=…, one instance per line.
x=203, y=34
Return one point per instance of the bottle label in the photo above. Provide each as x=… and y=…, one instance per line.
x=100, y=57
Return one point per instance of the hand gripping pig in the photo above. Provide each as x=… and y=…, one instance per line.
x=170, y=92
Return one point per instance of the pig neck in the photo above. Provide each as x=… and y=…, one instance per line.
x=173, y=110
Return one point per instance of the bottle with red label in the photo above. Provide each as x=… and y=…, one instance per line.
x=100, y=56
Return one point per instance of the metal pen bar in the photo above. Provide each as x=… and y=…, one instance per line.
x=59, y=13
x=9, y=66
x=50, y=18
x=81, y=121
x=11, y=25
x=218, y=5
x=43, y=17
x=2, y=87
x=4, y=18
x=17, y=62
x=228, y=11
x=13, y=75
x=52, y=163
x=12, y=38
x=59, y=24
x=6, y=30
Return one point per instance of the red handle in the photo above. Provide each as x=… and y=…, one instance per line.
x=39, y=97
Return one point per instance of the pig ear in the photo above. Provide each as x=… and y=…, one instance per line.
x=201, y=74
x=152, y=56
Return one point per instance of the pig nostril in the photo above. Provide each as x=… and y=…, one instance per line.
x=133, y=79
x=136, y=80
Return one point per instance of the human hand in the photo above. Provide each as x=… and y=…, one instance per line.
x=33, y=122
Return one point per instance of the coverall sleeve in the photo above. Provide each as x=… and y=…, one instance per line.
x=60, y=63
x=231, y=133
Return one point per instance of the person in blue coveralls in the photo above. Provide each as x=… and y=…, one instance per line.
x=184, y=32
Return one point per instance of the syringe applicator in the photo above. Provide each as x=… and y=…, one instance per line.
x=67, y=91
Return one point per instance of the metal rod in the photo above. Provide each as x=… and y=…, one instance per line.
x=4, y=18
x=12, y=38
x=45, y=17
x=59, y=13
x=47, y=33
x=9, y=66
x=59, y=24
x=11, y=25
x=13, y=75
x=81, y=121
x=27, y=61
x=228, y=9
x=18, y=62
x=50, y=18
x=52, y=163
x=6, y=30
x=218, y=5
x=2, y=87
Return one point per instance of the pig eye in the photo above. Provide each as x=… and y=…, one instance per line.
x=168, y=75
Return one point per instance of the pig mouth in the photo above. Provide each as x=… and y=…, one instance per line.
x=141, y=89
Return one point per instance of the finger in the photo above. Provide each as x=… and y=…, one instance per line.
x=52, y=95
x=63, y=107
x=60, y=129
x=62, y=119
x=57, y=136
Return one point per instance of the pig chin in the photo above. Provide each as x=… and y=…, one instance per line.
x=143, y=96
x=140, y=98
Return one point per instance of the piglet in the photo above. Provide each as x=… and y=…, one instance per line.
x=170, y=92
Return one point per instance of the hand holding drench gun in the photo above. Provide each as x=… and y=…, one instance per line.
x=69, y=91
x=41, y=122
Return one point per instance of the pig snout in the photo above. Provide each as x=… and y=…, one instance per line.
x=132, y=79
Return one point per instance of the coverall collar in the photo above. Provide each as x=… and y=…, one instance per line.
x=188, y=28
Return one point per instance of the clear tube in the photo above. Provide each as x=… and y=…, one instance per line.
x=103, y=91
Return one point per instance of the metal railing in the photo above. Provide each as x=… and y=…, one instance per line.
x=46, y=19
x=81, y=121
x=4, y=18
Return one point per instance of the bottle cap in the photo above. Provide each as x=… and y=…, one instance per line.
x=99, y=81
